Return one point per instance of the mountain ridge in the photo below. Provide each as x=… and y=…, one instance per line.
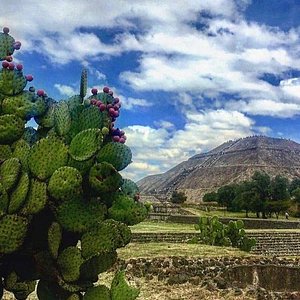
x=230, y=162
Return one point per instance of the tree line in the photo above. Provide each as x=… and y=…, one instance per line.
x=262, y=195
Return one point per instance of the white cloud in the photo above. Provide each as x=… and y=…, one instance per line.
x=266, y=107
x=132, y=103
x=65, y=90
x=157, y=150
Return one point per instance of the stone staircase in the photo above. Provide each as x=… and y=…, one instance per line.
x=276, y=243
x=273, y=243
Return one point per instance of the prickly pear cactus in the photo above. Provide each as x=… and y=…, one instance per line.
x=64, y=206
x=213, y=232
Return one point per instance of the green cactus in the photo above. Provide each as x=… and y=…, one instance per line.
x=63, y=204
x=6, y=44
x=213, y=232
x=117, y=154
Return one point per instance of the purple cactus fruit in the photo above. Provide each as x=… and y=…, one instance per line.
x=116, y=107
x=11, y=66
x=40, y=93
x=110, y=92
x=106, y=89
x=122, y=132
x=94, y=91
x=102, y=107
x=29, y=77
x=116, y=100
x=121, y=140
x=98, y=103
x=116, y=138
x=17, y=45
x=93, y=101
x=116, y=113
x=111, y=112
x=5, y=30
x=5, y=64
x=19, y=67
x=109, y=106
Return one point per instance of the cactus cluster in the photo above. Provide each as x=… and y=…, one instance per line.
x=64, y=206
x=213, y=232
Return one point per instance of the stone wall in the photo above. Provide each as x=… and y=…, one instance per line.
x=269, y=273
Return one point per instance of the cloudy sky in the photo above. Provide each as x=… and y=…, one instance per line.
x=190, y=74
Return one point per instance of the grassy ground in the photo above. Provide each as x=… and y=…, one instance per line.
x=160, y=226
x=150, y=250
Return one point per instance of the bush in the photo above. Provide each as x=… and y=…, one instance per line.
x=178, y=197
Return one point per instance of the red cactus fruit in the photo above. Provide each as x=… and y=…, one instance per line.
x=40, y=93
x=29, y=77
x=5, y=30
x=106, y=89
x=102, y=107
x=11, y=66
x=5, y=64
x=94, y=91
x=19, y=67
x=116, y=138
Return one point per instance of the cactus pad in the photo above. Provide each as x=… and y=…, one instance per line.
x=6, y=45
x=97, y=264
x=117, y=154
x=69, y=262
x=54, y=238
x=90, y=117
x=36, y=198
x=25, y=105
x=65, y=183
x=19, y=194
x=126, y=210
x=3, y=199
x=85, y=144
x=104, y=178
x=129, y=188
x=83, y=83
x=78, y=215
x=103, y=237
x=12, y=82
x=47, y=119
x=9, y=173
x=14, y=227
x=121, y=290
x=46, y=156
x=5, y=152
x=11, y=128
x=21, y=151
x=62, y=118
x=100, y=292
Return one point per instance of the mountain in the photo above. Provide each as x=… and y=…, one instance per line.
x=231, y=162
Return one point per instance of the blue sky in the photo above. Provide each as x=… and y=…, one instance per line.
x=190, y=74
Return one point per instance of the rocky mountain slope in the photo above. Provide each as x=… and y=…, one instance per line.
x=233, y=161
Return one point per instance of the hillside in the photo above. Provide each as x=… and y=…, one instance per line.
x=233, y=161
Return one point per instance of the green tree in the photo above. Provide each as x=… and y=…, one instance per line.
x=246, y=197
x=261, y=185
x=178, y=197
x=280, y=196
x=210, y=197
x=295, y=183
x=226, y=195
